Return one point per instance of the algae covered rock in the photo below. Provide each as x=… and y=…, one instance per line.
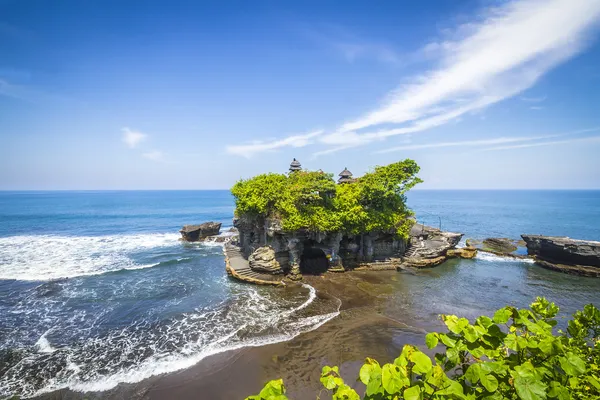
x=464, y=252
x=499, y=245
x=263, y=260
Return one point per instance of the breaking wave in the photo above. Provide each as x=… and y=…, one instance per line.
x=39, y=258
x=481, y=255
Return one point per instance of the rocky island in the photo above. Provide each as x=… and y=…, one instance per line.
x=304, y=222
x=581, y=257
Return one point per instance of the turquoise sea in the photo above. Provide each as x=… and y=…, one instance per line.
x=96, y=289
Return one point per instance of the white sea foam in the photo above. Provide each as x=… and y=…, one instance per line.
x=43, y=345
x=481, y=255
x=47, y=257
x=142, y=350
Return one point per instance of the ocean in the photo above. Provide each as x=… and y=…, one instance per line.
x=96, y=289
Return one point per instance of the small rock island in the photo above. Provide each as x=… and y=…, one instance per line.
x=304, y=222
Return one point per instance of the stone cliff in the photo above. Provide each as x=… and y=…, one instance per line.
x=565, y=254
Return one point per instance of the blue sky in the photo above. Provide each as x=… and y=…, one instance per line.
x=144, y=94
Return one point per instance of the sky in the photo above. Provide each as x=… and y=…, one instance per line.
x=145, y=94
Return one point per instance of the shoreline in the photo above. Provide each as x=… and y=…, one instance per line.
x=360, y=329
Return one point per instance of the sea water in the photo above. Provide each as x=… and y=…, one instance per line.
x=96, y=288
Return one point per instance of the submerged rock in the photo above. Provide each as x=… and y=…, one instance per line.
x=499, y=245
x=564, y=254
x=195, y=233
x=263, y=259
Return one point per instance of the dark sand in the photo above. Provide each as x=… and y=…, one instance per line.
x=362, y=329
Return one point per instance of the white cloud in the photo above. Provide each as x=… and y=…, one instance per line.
x=536, y=108
x=499, y=55
x=520, y=146
x=485, y=142
x=296, y=141
x=132, y=138
x=498, y=58
x=154, y=155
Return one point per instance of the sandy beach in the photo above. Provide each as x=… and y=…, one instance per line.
x=362, y=329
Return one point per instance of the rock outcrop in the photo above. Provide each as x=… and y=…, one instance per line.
x=263, y=259
x=565, y=254
x=463, y=252
x=196, y=233
x=429, y=246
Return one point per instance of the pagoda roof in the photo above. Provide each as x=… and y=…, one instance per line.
x=295, y=165
x=345, y=173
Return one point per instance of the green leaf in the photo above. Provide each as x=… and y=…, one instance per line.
x=273, y=390
x=502, y=315
x=370, y=369
x=473, y=372
x=448, y=341
x=412, y=393
x=530, y=388
x=489, y=382
x=470, y=334
x=431, y=340
x=422, y=362
x=572, y=365
x=345, y=392
x=558, y=391
x=392, y=379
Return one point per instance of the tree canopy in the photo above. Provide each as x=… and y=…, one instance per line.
x=312, y=200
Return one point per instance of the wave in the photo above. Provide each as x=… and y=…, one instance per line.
x=48, y=257
x=253, y=317
x=495, y=258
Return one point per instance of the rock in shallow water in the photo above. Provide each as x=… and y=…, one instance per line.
x=195, y=233
x=565, y=251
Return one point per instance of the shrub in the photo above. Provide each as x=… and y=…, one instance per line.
x=312, y=200
x=514, y=355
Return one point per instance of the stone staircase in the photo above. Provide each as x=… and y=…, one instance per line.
x=242, y=271
x=411, y=251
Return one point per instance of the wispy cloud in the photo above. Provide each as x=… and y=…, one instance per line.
x=536, y=108
x=350, y=45
x=132, y=137
x=520, y=146
x=296, y=141
x=503, y=52
x=29, y=94
x=494, y=141
x=501, y=56
x=154, y=155
x=534, y=99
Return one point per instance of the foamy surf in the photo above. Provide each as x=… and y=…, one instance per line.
x=252, y=318
x=48, y=257
x=481, y=255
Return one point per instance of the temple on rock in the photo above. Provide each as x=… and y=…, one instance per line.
x=345, y=176
x=303, y=223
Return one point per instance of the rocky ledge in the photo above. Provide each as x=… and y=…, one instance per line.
x=581, y=257
x=430, y=247
x=198, y=233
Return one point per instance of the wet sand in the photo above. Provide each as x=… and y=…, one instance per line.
x=362, y=329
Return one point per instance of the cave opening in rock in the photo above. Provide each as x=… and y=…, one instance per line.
x=313, y=260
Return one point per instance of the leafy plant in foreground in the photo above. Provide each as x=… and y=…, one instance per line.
x=514, y=355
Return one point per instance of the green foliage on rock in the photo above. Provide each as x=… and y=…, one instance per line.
x=312, y=200
x=514, y=355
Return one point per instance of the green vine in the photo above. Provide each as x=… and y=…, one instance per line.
x=514, y=355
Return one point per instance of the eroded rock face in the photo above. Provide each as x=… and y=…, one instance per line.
x=430, y=246
x=195, y=233
x=264, y=259
x=563, y=250
x=464, y=252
